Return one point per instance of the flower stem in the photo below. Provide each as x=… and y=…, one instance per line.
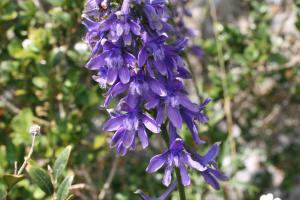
x=180, y=186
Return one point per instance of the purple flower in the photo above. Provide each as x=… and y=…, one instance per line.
x=112, y=63
x=120, y=26
x=127, y=125
x=211, y=175
x=161, y=57
x=172, y=103
x=155, y=11
x=136, y=55
x=175, y=156
x=96, y=8
x=164, y=196
x=201, y=116
x=197, y=51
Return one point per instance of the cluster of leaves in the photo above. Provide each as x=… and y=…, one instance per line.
x=48, y=181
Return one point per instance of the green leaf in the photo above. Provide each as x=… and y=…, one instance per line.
x=3, y=194
x=41, y=178
x=11, y=180
x=21, y=124
x=63, y=189
x=61, y=162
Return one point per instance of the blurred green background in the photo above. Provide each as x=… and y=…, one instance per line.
x=251, y=69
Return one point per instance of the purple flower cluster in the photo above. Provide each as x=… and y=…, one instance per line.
x=136, y=54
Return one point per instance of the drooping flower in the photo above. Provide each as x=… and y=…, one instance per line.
x=211, y=175
x=175, y=156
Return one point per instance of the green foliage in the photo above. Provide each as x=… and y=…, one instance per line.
x=61, y=163
x=41, y=178
x=63, y=189
x=12, y=179
x=3, y=194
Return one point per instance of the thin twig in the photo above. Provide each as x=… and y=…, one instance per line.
x=110, y=178
x=27, y=158
x=194, y=79
x=89, y=181
x=79, y=186
x=227, y=99
x=17, y=110
x=16, y=168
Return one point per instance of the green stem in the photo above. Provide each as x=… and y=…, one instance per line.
x=180, y=186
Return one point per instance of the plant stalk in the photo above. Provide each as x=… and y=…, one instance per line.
x=180, y=186
x=181, y=191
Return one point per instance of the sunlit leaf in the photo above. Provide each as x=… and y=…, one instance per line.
x=63, y=189
x=12, y=179
x=61, y=162
x=41, y=178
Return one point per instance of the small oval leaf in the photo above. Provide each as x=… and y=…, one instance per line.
x=61, y=162
x=63, y=189
x=41, y=178
x=12, y=179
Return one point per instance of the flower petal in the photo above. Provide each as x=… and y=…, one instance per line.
x=218, y=174
x=118, y=88
x=142, y=57
x=210, y=180
x=116, y=138
x=143, y=137
x=158, y=88
x=124, y=75
x=128, y=139
x=167, y=176
x=121, y=150
x=185, y=102
x=175, y=117
x=192, y=127
x=185, y=179
x=151, y=124
x=112, y=76
x=211, y=154
x=160, y=115
x=156, y=162
x=113, y=124
x=161, y=68
x=196, y=165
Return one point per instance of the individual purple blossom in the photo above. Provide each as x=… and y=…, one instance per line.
x=96, y=8
x=211, y=175
x=163, y=58
x=113, y=63
x=178, y=108
x=164, y=196
x=120, y=26
x=175, y=156
x=156, y=13
x=197, y=51
x=128, y=125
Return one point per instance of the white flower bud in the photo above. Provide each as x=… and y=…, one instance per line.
x=35, y=130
